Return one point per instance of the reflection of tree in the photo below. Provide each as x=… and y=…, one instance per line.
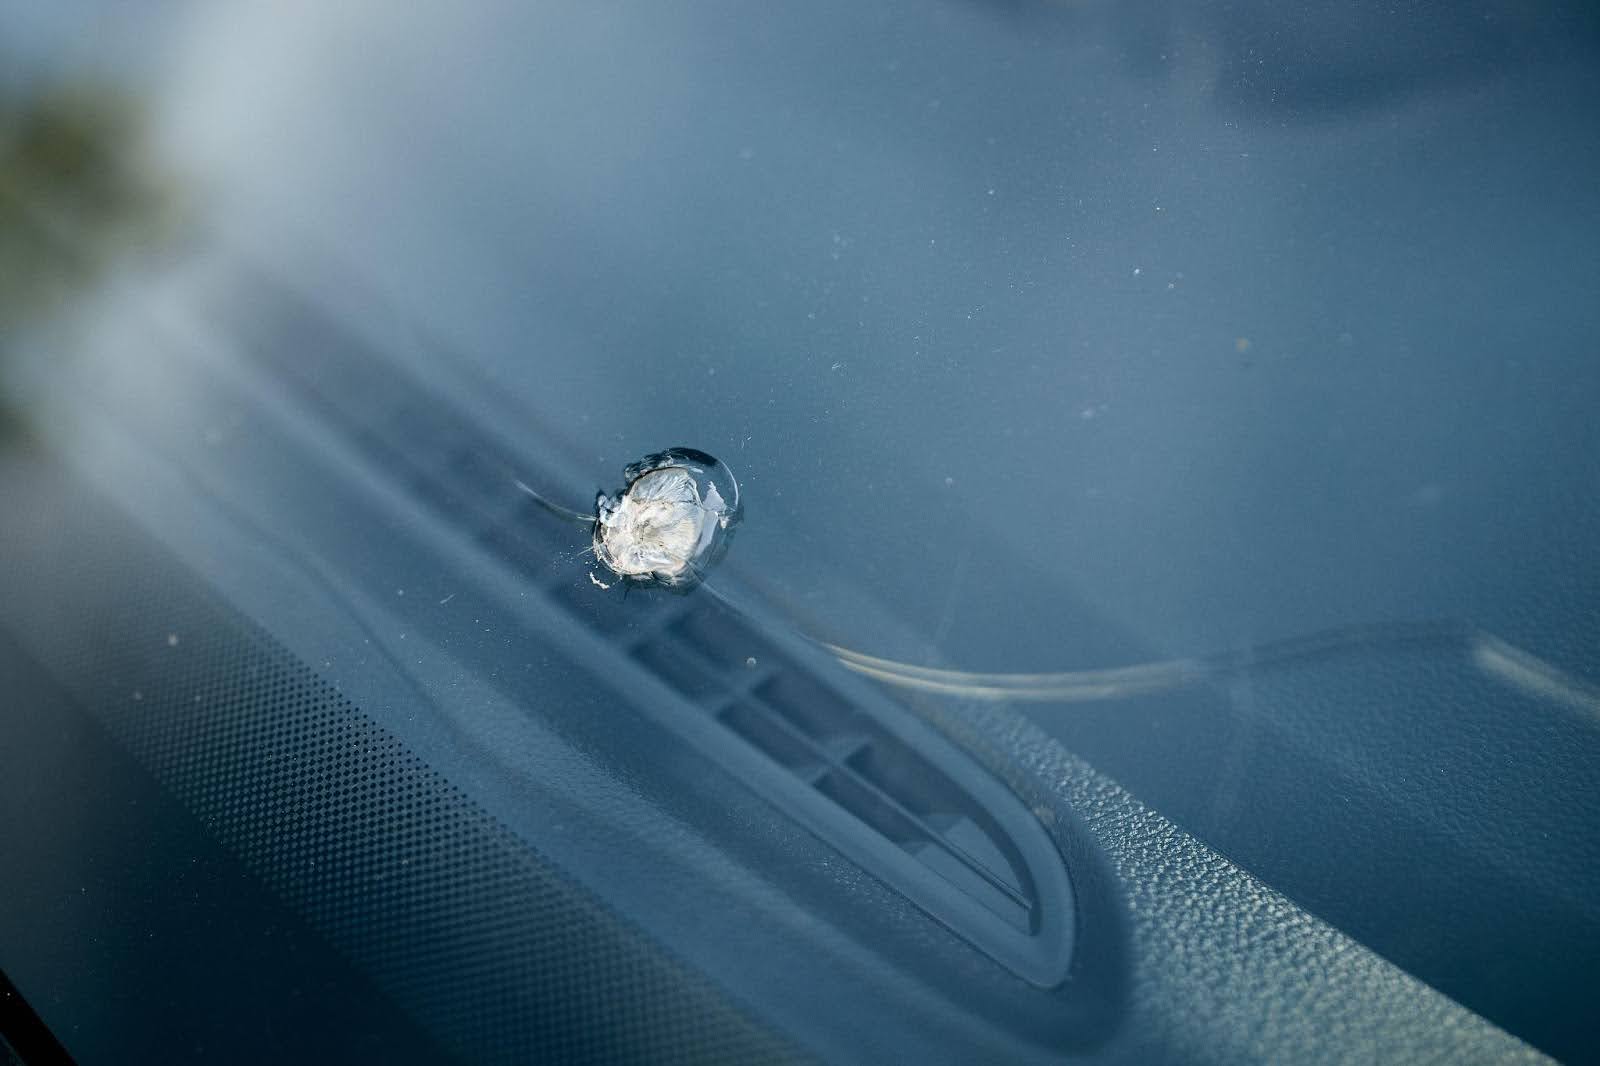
x=76, y=192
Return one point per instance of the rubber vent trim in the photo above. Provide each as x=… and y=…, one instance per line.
x=856, y=768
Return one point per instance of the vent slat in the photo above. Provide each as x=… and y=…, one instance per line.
x=683, y=672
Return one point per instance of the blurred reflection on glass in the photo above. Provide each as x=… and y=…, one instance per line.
x=77, y=193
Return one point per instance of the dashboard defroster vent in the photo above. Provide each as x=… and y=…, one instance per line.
x=825, y=746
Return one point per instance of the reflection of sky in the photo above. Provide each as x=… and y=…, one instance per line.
x=1068, y=295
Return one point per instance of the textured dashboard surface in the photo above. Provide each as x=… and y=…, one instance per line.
x=472, y=932
x=1228, y=969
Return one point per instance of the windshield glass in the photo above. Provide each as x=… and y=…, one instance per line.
x=1213, y=384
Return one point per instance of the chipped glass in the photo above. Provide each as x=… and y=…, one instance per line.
x=671, y=521
x=668, y=524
